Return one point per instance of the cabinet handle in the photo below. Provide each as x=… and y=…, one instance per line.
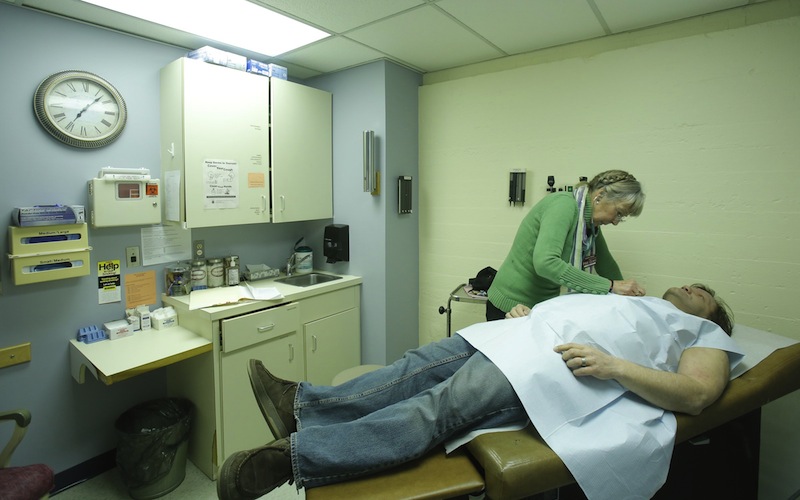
x=291, y=352
x=266, y=328
x=283, y=203
x=313, y=343
x=263, y=203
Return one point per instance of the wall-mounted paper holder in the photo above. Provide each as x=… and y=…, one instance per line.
x=372, y=178
x=516, y=187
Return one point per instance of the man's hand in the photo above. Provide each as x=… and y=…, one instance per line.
x=518, y=311
x=701, y=377
x=585, y=361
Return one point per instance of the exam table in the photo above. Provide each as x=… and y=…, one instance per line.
x=518, y=464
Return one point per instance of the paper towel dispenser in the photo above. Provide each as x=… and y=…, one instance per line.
x=336, y=246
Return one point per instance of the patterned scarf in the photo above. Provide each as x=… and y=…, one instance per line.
x=583, y=244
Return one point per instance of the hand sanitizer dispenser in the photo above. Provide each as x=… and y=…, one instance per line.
x=336, y=245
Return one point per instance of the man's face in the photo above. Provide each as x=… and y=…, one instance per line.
x=691, y=300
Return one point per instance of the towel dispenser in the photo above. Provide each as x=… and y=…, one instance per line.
x=336, y=246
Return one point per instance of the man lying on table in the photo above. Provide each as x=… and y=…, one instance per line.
x=592, y=373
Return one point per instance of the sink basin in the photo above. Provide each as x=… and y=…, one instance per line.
x=307, y=279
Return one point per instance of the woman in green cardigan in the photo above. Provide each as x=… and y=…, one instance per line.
x=559, y=243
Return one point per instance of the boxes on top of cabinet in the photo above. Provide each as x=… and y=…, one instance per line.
x=215, y=56
x=267, y=69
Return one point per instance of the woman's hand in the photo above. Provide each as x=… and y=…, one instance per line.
x=518, y=311
x=586, y=361
x=628, y=287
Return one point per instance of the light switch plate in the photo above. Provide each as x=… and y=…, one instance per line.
x=132, y=257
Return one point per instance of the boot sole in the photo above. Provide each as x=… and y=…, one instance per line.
x=227, y=491
x=268, y=409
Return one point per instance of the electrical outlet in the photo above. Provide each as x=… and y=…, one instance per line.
x=199, y=249
x=132, y=256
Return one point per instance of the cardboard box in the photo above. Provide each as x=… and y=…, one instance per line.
x=47, y=239
x=267, y=69
x=220, y=57
x=276, y=71
x=48, y=215
x=117, y=329
x=47, y=267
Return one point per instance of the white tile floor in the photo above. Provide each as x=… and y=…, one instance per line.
x=196, y=486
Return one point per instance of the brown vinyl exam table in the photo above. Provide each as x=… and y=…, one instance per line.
x=518, y=464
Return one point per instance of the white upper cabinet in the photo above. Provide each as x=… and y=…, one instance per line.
x=302, y=157
x=216, y=147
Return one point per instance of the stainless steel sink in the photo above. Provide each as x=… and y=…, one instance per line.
x=307, y=279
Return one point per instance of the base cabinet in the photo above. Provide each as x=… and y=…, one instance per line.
x=312, y=338
x=332, y=345
x=271, y=336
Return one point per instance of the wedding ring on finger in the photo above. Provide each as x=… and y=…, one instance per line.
x=583, y=362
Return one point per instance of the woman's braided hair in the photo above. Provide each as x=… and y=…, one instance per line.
x=620, y=186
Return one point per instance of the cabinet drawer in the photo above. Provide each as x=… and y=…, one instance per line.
x=321, y=306
x=256, y=327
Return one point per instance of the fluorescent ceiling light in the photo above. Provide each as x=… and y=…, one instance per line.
x=233, y=22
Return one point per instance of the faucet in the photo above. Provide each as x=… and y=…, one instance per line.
x=292, y=263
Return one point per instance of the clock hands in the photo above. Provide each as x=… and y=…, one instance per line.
x=87, y=107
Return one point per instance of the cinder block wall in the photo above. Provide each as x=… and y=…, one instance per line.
x=706, y=113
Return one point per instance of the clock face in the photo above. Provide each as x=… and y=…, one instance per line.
x=80, y=109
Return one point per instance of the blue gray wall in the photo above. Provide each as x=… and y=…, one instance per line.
x=384, y=246
x=72, y=422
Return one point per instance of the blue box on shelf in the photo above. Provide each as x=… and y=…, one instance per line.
x=90, y=334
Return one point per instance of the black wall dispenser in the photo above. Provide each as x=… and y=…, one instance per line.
x=516, y=187
x=336, y=245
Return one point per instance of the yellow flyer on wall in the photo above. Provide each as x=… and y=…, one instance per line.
x=108, y=282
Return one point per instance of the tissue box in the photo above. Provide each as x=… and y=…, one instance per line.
x=118, y=329
x=163, y=318
x=215, y=56
x=265, y=69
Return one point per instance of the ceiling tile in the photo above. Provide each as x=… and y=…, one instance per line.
x=332, y=54
x=625, y=15
x=427, y=39
x=517, y=27
x=340, y=16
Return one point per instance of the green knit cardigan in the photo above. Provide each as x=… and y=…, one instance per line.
x=537, y=266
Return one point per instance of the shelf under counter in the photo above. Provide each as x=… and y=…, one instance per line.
x=116, y=360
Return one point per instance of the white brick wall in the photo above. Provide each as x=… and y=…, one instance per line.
x=709, y=122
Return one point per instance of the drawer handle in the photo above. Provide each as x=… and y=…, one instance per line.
x=291, y=352
x=266, y=328
x=313, y=343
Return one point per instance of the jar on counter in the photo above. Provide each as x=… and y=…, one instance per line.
x=177, y=280
x=215, y=273
x=199, y=275
x=232, y=270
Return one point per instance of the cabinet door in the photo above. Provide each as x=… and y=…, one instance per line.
x=301, y=149
x=242, y=424
x=332, y=344
x=225, y=147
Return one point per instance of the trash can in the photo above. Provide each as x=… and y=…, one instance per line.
x=153, y=440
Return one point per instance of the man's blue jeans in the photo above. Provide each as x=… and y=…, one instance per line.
x=397, y=413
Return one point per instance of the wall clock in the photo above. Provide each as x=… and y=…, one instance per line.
x=80, y=109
